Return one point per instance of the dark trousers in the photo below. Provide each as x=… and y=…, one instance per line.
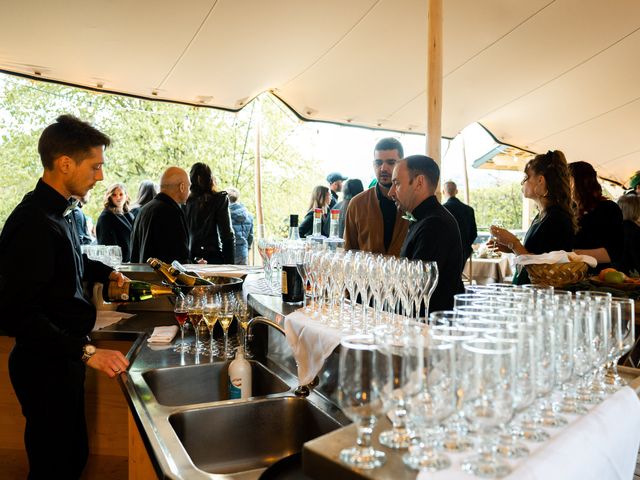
x=51, y=393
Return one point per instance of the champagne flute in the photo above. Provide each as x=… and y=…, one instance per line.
x=242, y=314
x=210, y=313
x=181, y=310
x=225, y=318
x=195, y=317
x=362, y=374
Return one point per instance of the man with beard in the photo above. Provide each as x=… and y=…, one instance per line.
x=373, y=223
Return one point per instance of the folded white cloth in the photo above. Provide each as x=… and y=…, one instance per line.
x=558, y=256
x=311, y=342
x=163, y=334
x=104, y=318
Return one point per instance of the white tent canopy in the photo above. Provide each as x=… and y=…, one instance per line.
x=539, y=74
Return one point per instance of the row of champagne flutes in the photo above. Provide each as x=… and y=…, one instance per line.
x=388, y=288
x=503, y=367
x=205, y=305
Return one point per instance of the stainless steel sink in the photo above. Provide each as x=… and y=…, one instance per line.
x=240, y=437
x=205, y=383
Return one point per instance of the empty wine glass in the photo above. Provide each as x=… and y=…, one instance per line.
x=361, y=377
x=622, y=338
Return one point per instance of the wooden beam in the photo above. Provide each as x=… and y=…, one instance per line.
x=257, y=169
x=434, y=79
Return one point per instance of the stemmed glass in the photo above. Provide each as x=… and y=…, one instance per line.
x=488, y=401
x=242, y=314
x=225, y=318
x=430, y=282
x=622, y=338
x=196, y=302
x=181, y=312
x=210, y=313
x=362, y=374
x=303, y=257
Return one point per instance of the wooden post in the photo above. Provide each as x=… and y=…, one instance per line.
x=258, y=178
x=466, y=172
x=434, y=80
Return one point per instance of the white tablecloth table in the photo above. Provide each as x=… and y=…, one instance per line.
x=489, y=270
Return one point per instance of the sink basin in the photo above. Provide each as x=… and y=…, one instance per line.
x=205, y=383
x=235, y=438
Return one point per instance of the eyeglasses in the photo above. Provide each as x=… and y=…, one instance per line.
x=391, y=162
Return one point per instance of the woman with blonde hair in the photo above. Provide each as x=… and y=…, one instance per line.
x=320, y=198
x=547, y=183
x=116, y=221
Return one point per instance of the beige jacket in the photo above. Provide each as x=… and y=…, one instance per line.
x=364, y=229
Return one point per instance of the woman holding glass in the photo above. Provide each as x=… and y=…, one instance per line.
x=547, y=183
x=116, y=221
x=320, y=198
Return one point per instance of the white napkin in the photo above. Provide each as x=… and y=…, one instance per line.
x=104, y=318
x=163, y=334
x=559, y=256
x=311, y=343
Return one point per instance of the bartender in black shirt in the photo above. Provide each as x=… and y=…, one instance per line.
x=44, y=308
x=433, y=232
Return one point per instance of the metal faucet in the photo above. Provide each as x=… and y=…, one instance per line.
x=302, y=390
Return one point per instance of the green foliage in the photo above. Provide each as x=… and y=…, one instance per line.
x=149, y=136
x=498, y=204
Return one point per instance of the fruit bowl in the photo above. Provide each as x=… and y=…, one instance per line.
x=619, y=286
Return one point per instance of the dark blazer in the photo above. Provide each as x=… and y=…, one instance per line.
x=115, y=229
x=601, y=227
x=435, y=236
x=160, y=231
x=209, y=222
x=466, y=219
x=631, y=252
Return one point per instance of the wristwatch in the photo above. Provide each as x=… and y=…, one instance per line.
x=88, y=351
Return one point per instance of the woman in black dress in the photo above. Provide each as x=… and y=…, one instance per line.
x=208, y=219
x=547, y=183
x=116, y=221
x=599, y=219
x=630, y=206
x=320, y=198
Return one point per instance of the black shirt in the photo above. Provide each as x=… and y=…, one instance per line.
x=601, y=228
x=160, y=231
x=548, y=233
x=631, y=252
x=388, y=209
x=41, y=274
x=435, y=237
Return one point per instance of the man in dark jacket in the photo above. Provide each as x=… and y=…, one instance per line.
x=160, y=229
x=433, y=233
x=464, y=215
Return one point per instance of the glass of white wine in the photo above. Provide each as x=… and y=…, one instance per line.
x=243, y=313
x=195, y=317
x=210, y=313
x=225, y=318
x=181, y=310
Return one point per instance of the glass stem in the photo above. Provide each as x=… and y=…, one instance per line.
x=365, y=430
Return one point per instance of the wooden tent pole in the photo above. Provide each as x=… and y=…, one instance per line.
x=257, y=171
x=434, y=80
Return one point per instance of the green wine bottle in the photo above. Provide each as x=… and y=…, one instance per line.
x=136, y=291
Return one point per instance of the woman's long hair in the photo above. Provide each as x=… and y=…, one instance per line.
x=319, y=198
x=553, y=167
x=587, y=191
x=108, y=203
x=202, y=183
x=146, y=192
x=351, y=188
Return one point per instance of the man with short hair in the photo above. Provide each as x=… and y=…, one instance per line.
x=373, y=223
x=160, y=229
x=335, y=180
x=464, y=215
x=433, y=234
x=45, y=308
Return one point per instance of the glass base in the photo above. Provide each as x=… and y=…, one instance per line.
x=431, y=461
x=365, y=458
x=456, y=443
x=550, y=419
x=511, y=449
x=529, y=431
x=397, y=438
x=486, y=467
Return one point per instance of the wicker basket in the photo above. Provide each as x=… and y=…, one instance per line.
x=557, y=274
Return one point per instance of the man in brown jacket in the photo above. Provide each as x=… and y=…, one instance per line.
x=373, y=223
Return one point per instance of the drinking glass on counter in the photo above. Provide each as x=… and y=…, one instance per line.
x=362, y=375
x=243, y=314
x=196, y=302
x=225, y=318
x=181, y=311
x=210, y=314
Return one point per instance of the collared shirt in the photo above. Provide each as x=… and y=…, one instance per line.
x=41, y=274
x=389, y=211
x=435, y=236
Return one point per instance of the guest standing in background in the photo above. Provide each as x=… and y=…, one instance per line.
x=146, y=192
x=350, y=189
x=630, y=206
x=464, y=215
x=212, y=237
x=320, y=198
x=116, y=221
x=599, y=219
x=242, y=223
x=548, y=183
x=335, y=180
x=81, y=223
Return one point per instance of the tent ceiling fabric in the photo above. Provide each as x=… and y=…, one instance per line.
x=539, y=74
